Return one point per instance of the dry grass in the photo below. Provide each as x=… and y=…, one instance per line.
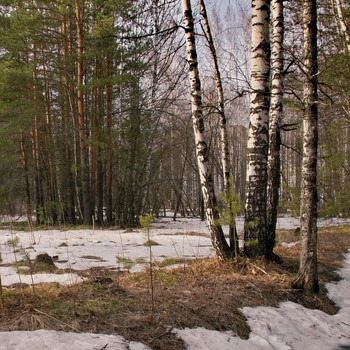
x=206, y=293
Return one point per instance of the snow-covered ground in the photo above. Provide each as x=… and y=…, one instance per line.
x=76, y=250
x=115, y=249
x=288, y=327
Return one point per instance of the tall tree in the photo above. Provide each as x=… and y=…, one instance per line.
x=257, y=146
x=344, y=29
x=224, y=144
x=202, y=153
x=308, y=275
x=276, y=111
x=84, y=162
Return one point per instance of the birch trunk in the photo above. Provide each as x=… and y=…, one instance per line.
x=308, y=275
x=225, y=152
x=276, y=112
x=202, y=153
x=257, y=149
x=344, y=29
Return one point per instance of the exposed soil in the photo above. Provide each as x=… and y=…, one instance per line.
x=205, y=293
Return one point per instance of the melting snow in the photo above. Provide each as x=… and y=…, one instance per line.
x=288, y=327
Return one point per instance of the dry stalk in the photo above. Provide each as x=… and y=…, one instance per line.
x=260, y=269
x=1, y=295
x=56, y=319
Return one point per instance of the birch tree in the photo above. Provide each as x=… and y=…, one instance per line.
x=257, y=145
x=276, y=111
x=344, y=29
x=308, y=275
x=224, y=144
x=202, y=152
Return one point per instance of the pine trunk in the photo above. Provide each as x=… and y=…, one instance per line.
x=100, y=179
x=36, y=150
x=68, y=189
x=308, y=275
x=202, y=153
x=276, y=112
x=51, y=168
x=109, y=159
x=24, y=158
x=257, y=149
x=81, y=116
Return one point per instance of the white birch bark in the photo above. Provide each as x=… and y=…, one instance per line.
x=344, y=29
x=257, y=148
x=308, y=276
x=202, y=153
x=225, y=154
x=276, y=112
x=224, y=144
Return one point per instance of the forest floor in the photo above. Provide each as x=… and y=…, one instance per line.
x=198, y=293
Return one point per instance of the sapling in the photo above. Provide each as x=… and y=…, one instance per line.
x=145, y=222
x=29, y=262
x=14, y=242
x=30, y=226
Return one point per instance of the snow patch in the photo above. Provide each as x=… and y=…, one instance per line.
x=55, y=340
x=287, y=327
x=290, y=245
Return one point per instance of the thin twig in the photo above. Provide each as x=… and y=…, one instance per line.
x=259, y=268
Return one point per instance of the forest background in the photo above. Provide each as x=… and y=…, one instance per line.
x=95, y=111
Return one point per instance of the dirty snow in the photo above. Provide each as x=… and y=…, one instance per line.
x=288, y=327
x=77, y=250
x=55, y=340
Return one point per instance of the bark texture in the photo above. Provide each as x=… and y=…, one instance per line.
x=202, y=153
x=276, y=112
x=224, y=144
x=344, y=29
x=308, y=275
x=85, y=178
x=257, y=150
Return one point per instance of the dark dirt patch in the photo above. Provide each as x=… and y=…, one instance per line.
x=206, y=293
x=200, y=234
x=93, y=257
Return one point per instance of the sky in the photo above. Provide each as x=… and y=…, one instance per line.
x=222, y=5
